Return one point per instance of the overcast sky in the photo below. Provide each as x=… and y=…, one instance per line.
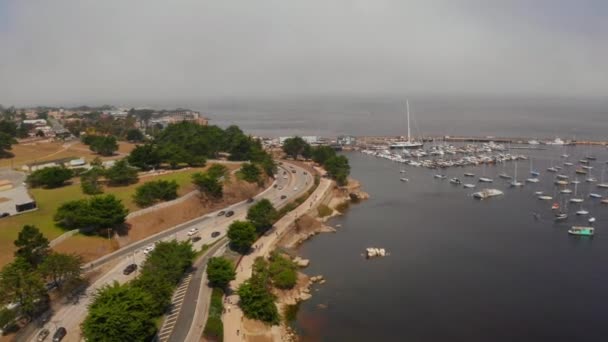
x=131, y=52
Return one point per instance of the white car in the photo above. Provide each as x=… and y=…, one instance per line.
x=295, y=189
x=149, y=249
x=280, y=188
x=192, y=231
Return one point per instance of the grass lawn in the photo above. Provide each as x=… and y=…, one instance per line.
x=49, y=200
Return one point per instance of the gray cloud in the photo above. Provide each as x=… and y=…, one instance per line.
x=136, y=52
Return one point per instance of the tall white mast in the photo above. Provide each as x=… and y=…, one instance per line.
x=407, y=104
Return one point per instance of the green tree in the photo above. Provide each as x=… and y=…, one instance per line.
x=120, y=313
x=31, y=245
x=49, y=177
x=98, y=212
x=121, y=174
x=145, y=157
x=217, y=171
x=135, y=135
x=283, y=271
x=320, y=154
x=8, y=127
x=268, y=165
x=250, y=173
x=6, y=144
x=338, y=168
x=89, y=181
x=262, y=214
x=24, y=130
x=155, y=191
x=60, y=268
x=256, y=300
x=104, y=145
x=242, y=235
x=20, y=284
x=220, y=272
x=209, y=186
x=294, y=147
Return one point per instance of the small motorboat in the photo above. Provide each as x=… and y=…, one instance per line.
x=438, y=176
x=581, y=231
x=455, y=181
x=516, y=184
x=561, y=182
x=552, y=169
x=504, y=176
x=538, y=193
x=581, y=171
x=532, y=180
x=545, y=198
x=468, y=174
x=468, y=185
x=404, y=179
x=561, y=176
x=568, y=164
x=561, y=217
x=402, y=171
x=565, y=191
x=485, y=180
x=535, y=173
x=594, y=195
x=582, y=212
x=591, y=180
x=604, y=201
x=576, y=200
x=555, y=206
x=591, y=220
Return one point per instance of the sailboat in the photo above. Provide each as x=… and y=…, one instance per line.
x=409, y=143
x=576, y=199
x=533, y=172
x=552, y=168
x=582, y=211
x=485, y=179
x=515, y=183
x=601, y=184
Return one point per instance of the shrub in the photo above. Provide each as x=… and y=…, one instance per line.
x=155, y=191
x=49, y=177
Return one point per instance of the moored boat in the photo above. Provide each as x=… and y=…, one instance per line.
x=581, y=231
x=487, y=193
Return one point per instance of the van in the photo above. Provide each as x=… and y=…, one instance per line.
x=59, y=334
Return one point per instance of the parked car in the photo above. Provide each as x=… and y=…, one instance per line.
x=149, y=249
x=283, y=197
x=250, y=200
x=229, y=213
x=215, y=234
x=42, y=335
x=295, y=189
x=195, y=238
x=59, y=334
x=293, y=171
x=193, y=231
x=129, y=269
x=3, y=215
x=221, y=213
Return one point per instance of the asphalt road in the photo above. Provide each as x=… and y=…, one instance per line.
x=71, y=315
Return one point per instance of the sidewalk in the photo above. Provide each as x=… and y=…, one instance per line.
x=233, y=316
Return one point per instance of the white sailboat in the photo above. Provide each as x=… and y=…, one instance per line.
x=409, y=143
x=576, y=199
x=533, y=172
x=601, y=184
x=516, y=183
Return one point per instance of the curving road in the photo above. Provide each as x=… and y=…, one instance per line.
x=292, y=182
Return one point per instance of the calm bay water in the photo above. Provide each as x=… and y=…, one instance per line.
x=432, y=115
x=459, y=269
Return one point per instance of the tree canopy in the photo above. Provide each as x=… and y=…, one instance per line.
x=95, y=213
x=49, y=177
x=294, y=147
x=256, y=300
x=104, y=145
x=20, y=284
x=145, y=157
x=209, y=186
x=338, y=168
x=220, y=272
x=155, y=191
x=60, y=268
x=121, y=173
x=242, y=235
x=89, y=181
x=262, y=214
x=250, y=173
x=135, y=135
x=31, y=245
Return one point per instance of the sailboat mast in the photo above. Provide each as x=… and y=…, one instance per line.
x=407, y=105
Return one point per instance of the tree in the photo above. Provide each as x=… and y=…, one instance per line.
x=98, y=212
x=208, y=185
x=24, y=130
x=217, y=171
x=242, y=235
x=294, y=147
x=31, y=245
x=60, y=268
x=283, y=271
x=121, y=174
x=49, y=177
x=155, y=191
x=320, y=154
x=6, y=144
x=120, y=313
x=89, y=181
x=262, y=215
x=220, y=272
x=145, y=157
x=256, y=300
x=135, y=135
x=338, y=168
x=250, y=173
x=104, y=145
x=8, y=127
x=21, y=285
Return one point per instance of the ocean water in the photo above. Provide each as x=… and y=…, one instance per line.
x=431, y=115
x=459, y=269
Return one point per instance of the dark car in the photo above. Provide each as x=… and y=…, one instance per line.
x=229, y=213
x=195, y=238
x=293, y=171
x=4, y=215
x=283, y=197
x=59, y=334
x=221, y=213
x=215, y=234
x=250, y=200
x=129, y=269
